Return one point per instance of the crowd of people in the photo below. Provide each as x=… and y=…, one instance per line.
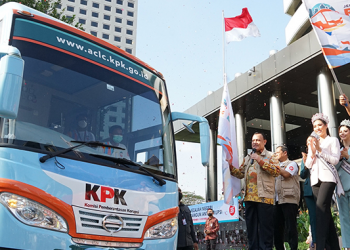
x=272, y=191
x=326, y=170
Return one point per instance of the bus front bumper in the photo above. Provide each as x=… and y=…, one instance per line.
x=16, y=235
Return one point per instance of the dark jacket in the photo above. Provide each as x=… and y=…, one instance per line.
x=305, y=174
x=186, y=236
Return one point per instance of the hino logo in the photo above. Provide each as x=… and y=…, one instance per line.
x=105, y=193
x=112, y=221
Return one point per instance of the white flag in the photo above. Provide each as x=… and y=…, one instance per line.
x=331, y=23
x=227, y=139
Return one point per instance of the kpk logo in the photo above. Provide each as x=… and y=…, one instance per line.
x=104, y=194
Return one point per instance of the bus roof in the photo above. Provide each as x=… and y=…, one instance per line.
x=37, y=15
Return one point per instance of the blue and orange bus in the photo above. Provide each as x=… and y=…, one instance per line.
x=87, y=148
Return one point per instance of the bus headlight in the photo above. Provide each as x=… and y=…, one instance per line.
x=165, y=229
x=33, y=213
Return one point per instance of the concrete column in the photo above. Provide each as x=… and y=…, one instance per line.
x=212, y=183
x=240, y=134
x=278, y=130
x=326, y=99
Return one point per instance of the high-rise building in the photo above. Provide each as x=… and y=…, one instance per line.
x=114, y=21
x=299, y=24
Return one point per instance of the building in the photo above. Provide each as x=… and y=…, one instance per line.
x=114, y=21
x=278, y=96
x=299, y=24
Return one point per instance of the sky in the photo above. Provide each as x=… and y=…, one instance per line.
x=183, y=39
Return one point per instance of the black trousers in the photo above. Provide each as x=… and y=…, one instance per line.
x=326, y=233
x=211, y=244
x=185, y=248
x=259, y=220
x=285, y=217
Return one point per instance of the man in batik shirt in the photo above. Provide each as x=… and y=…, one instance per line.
x=259, y=170
x=210, y=229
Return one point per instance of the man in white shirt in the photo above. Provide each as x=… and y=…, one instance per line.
x=286, y=201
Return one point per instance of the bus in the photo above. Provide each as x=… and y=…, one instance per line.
x=87, y=147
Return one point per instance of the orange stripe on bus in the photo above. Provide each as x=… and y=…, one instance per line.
x=66, y=211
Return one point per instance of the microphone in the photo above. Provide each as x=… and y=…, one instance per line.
x=252, y=160
x=314, y=135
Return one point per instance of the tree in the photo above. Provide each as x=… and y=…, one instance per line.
x=48, y=7
x=190, y=198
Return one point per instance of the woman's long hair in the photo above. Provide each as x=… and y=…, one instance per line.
x=340, y=140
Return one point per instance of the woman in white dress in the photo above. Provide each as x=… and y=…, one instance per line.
x=323, y=154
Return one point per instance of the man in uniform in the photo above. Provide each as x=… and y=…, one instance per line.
x=287, y=201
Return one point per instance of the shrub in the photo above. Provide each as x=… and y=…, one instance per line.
x=303, y=226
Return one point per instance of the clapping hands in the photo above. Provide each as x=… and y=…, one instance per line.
x=344, y=153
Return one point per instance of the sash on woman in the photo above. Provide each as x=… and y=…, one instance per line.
x=340, y=190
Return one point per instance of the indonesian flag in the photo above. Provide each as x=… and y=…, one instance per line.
x=227, y=139
x=239, y=27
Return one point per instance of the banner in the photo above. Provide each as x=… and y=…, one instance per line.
x=331, y=23
x=222, y=211
x=227, y=139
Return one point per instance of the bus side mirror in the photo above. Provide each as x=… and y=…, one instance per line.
x=11, y=77
x=203, y=130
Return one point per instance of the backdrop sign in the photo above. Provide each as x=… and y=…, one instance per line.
x=222, y=211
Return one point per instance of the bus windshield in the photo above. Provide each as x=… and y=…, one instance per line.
x=67, y=97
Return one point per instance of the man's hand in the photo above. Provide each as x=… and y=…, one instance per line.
x=255, y=156
x=344, y=100
x=229, y=161
x=195, y=246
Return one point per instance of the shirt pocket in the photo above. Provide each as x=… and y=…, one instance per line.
x=288, y=192
x=268, y=187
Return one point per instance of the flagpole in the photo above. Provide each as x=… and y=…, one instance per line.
x=336, y=81
x=223, y=45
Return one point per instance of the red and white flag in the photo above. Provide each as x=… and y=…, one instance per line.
x=239, y=27
x=227, y=139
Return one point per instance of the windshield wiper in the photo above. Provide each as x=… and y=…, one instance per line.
x=156, y=179
x=82, y=143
